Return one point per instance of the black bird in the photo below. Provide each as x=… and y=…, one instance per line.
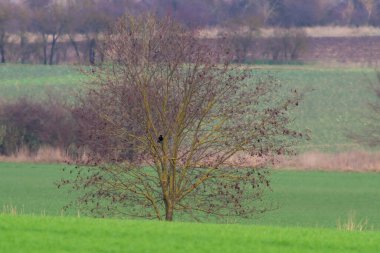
x=160, y=139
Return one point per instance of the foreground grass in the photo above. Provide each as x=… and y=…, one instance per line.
x=308, y=199
x=30, y=189
x=36, y=234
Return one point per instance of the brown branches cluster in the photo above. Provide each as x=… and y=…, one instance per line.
x=213, y=119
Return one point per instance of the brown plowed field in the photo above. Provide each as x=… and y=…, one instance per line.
x=357, y=50
x=345, y=49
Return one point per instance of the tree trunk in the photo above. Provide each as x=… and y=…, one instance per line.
x=75, y=45
x=2, y=45
x=169, y=210
x=23, y=44
x=44, y=48
x=52, y=49
x=2, y=52
x=91, y=51
x=45, y=55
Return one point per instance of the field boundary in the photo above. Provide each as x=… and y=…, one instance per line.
x=351, y=161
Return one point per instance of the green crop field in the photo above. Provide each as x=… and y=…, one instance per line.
x=36, y=81
x=36, y=234
x=308, y=199
x=336, y=100
x=334, y=104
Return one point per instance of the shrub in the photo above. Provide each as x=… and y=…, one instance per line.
x=243, y=45
x=30, y=124
x=287, y=44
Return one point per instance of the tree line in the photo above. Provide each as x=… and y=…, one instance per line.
x=53, y=31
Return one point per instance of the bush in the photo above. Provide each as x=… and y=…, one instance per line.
x=243, y=45
x=30, y=124
x=287, y=44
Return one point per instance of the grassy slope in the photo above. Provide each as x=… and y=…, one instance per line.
x=335, y=105
x=304, y=198
x=33, y=234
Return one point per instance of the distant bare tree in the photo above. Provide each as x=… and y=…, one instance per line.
x=369, y=6
x=49, y=20
x=90, y=21
x=172, y=127
x=5, y=19
x=245, y=27
x=20, y=26
x=267, y=9
x=348, y=12
x=287, y=44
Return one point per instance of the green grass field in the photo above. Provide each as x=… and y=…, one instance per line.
x=37, y=80
x=307, y=199
x=36, y=234
x=335, y=105
x=335, y=102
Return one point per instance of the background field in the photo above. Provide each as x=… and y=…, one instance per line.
x=334, y=104
x=37, y=80
x=32, y=234
x=307, y=199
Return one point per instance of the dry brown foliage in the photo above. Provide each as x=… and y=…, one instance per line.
x=356, y=161
x=44, y=154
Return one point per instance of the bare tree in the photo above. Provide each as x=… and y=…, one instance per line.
x=287, y=44
x=49, y=19
x=245, y=28
x=172, y=127
x=369, y=6
x=20, y=26
x=348, y=12
x=267, y=9
x=92, y=19
x=5, y=17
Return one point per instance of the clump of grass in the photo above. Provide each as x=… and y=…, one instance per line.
x=10, y=210
x=351, y=224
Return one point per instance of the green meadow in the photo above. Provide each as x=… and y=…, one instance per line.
x=36, y=81
x=47, y=234
x=301, y=199
x=334, y=104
